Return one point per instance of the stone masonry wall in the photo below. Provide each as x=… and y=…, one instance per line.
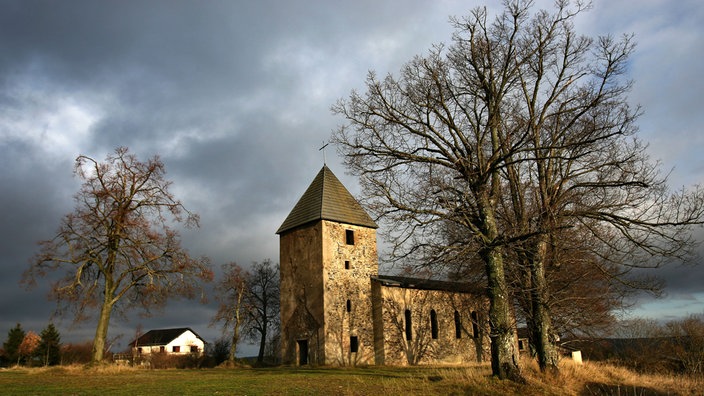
x=301, y=293
x=453, y=339
x=348, y=304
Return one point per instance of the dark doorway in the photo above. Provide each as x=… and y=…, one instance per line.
x=302, y=352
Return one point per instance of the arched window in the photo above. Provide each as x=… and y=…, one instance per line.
x=475, y=324
x=434, y=324
x=409, y=332
x=458, y=325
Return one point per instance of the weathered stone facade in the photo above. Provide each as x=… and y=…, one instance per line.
x=302, y=295
x=325, y=300
x=415, y=325
x=348, y=304
x=337, y=310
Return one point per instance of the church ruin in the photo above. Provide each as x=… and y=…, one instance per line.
x=336, y=309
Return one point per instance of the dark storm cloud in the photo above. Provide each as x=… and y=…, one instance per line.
x=234, y=96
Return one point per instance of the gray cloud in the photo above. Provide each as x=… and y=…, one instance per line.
x=235, y=98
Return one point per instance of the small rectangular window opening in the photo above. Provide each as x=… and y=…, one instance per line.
x=347, y=264
x=349, y=306
x=176, y=349
x=354, y=344
x=349, y=237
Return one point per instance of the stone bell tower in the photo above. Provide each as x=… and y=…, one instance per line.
x=327, y=255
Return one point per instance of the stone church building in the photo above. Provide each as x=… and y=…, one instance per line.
x=336, y=309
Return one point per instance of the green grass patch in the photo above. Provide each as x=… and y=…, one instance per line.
x=238, y=381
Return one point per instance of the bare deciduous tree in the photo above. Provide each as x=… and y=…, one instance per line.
x=116, y=249
x=687, y=343
x=430, y=147
x=584, y=169
x=263, y=300
x=492, y=148
x=231, y=294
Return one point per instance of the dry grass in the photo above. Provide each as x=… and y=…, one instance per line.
x=591, y=378
x=580, y=380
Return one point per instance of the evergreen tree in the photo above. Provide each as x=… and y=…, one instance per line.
x=12, y=345
x=50, y=346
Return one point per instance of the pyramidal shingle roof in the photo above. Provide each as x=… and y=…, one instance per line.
x=327, y=199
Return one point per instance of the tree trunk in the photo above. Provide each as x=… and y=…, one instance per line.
x=262, y=343
x=101, y=332
x=504, y=356
x=504, y=351
x=236, y=329
x=234, y=342
x=541, y=322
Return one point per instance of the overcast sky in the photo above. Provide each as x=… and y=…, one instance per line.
x=235, y=96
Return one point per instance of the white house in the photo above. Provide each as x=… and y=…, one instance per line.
x=178, y=341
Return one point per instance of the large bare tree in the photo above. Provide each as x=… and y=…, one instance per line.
x=493, y=147
x=116, y=250
x=584, y=170
x=430, y=146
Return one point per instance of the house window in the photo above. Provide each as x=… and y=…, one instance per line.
x=458, y=325
x=409, y=331
x=349, y=306
x=176, y=349
x=434, y=324
x=354, y=344
x=139, y=350
x=520, y=345
x=475, y=324
x=162, y=349
x=349, y=237
x=194, y=348
x=347, y=264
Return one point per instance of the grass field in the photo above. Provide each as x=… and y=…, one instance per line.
x=588, y=379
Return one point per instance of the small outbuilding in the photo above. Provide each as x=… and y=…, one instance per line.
x=179, y=341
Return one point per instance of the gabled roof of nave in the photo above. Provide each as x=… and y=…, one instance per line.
x=327, y=199
x=406, y=282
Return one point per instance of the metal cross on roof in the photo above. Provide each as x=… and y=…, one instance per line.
x=323, y=149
